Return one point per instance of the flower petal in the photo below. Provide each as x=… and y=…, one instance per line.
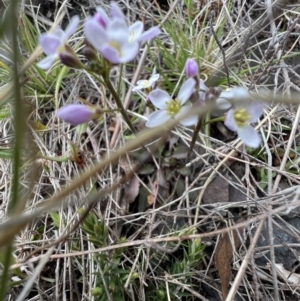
x=159, y=98
x=59, y=33
x=229, y=121
x=202, y=86
x=75, y=114
x=117, y=31
x=101, y=17
x=154, y=78
x=135, y=31
x=149, y=34
x=129, y=51
x=116, y=12
x=72, y=26
x=47, y=62
x=141, y=84
x=157, y=118
x=95, y=33
x=249, y=136
x=186, y=90
x=255, y=109
x=223, y=104
x=110, y=54
x=49, y=43
x=240, y=93
x=190, y=120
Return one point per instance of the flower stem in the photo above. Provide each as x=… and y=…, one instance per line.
x=119, y=102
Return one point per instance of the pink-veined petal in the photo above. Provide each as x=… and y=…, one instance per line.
x=49, y=43
x=186, y=90
x=157, y=118
x=149, y=34
x=256, y=109
x=159, y=98
x=135, y=31
x=101, y=16
x=117, y=31
x=95, y=33
x=116, y=12
x=47, y=62
x=229, y=121
x=72, y=26
x=110, y=54
x=75, y=114
x=240, y=93
x=249, y=136
x=190, y=120
x=129, y=51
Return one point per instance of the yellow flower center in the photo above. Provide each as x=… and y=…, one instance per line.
x=116, y=46
x=173, y=107
x=241, y=117
x=146, y=84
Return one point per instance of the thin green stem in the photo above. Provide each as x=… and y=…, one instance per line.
x=119, y=102
x=120, y=78
x=19, y=126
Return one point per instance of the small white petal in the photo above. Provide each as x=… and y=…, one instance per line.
x=186, y=90
x=255, y=110
x=249, y=136
x=154, y=78
x=159, y=98
x=190, y=120
x=157, y=118
x=223, y=104
x=47, y=62
x=229, y=121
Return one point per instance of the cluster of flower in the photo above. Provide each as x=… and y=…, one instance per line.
x=119, y=43
x=238, y=117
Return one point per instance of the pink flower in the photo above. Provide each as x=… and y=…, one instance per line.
x=239, y=119
x=191, y=68
x=54, y=44
x=117, y=42
x=172, y=108
x=78, y=113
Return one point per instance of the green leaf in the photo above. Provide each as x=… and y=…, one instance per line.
x=56, y=219
x=6, y=153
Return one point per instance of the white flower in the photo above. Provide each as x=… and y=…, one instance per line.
x=172, y=108
x=224, y=102
x=239, y=119
x=145, y=84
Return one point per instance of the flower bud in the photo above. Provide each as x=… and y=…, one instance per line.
x=70, y=59
x=191, y=68
x=89, y=53
x=77, y=113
